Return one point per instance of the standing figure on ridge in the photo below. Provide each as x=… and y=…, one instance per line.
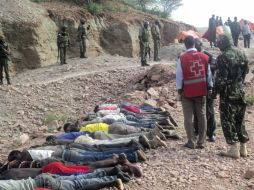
x=235, y=30
x=212, y=31
x=246, y=34
x=82, y=36
x=4, y=57
x=144, y=37
x=63, y=41
x=155, y=30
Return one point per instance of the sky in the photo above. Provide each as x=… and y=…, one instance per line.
x=198, y=12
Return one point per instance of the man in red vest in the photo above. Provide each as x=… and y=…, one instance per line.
x=193, y=82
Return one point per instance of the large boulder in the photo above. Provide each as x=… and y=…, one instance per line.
x=158, y=75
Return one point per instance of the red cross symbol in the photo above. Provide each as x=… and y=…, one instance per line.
x=197, y=69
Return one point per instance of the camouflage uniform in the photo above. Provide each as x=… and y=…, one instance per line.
x=63, y=41
x=156, y=40
x=4, y=52
x=82, y=36
x=144, y=43
x=232, y=68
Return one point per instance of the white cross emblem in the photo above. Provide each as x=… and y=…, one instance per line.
x=197, y=69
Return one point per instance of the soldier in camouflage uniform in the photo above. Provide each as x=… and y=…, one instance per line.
x=144, y=43
x=63, y=41
x=232, y=68
x=82, y=36
x=156, y=39
x=4, y=53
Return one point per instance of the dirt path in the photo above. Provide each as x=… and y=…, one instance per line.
x=77, y=67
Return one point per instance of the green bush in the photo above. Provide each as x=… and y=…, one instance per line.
x=249, y=100
x=110, y=7
x=95, y=8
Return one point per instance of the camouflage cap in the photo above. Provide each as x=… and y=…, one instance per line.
x=223, y=42
x=1, y=37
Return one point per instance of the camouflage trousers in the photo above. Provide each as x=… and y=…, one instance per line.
x=62, y=55
x=82, y=48
x=4, y=67
x=156, y=43
x=232, y=113
x=210, y=117
x=144, y=52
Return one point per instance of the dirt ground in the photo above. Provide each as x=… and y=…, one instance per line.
x=69, y=91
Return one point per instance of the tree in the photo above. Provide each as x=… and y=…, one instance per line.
x=170, y=5
x=143, y=3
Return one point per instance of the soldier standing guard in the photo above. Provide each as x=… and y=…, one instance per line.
x=232, y=67
x=82, y=36
x=63, y=41
x=4, y=53
x=212, y=31
x=144, y=43
x=156, y=39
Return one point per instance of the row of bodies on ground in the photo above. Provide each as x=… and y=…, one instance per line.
x=96, y=151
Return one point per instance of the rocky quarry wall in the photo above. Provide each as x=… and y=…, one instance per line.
x=31, y=30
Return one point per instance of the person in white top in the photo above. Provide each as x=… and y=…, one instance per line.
x=246, y=34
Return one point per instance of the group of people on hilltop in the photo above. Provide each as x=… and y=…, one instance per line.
x=198, y=84
x=63, y=41
x=144, y=41
x=231, y=28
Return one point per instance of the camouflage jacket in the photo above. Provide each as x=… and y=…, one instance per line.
x=144, y=35
x=63, y=39
x=155, y=30
x=232, y=67
x=82, y=32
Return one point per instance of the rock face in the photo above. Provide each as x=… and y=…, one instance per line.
x=31, y=29
x=28, y=30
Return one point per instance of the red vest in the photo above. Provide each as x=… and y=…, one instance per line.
x=194, y=67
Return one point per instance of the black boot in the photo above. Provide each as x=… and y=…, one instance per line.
x=144, y=63
x=8, y=82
